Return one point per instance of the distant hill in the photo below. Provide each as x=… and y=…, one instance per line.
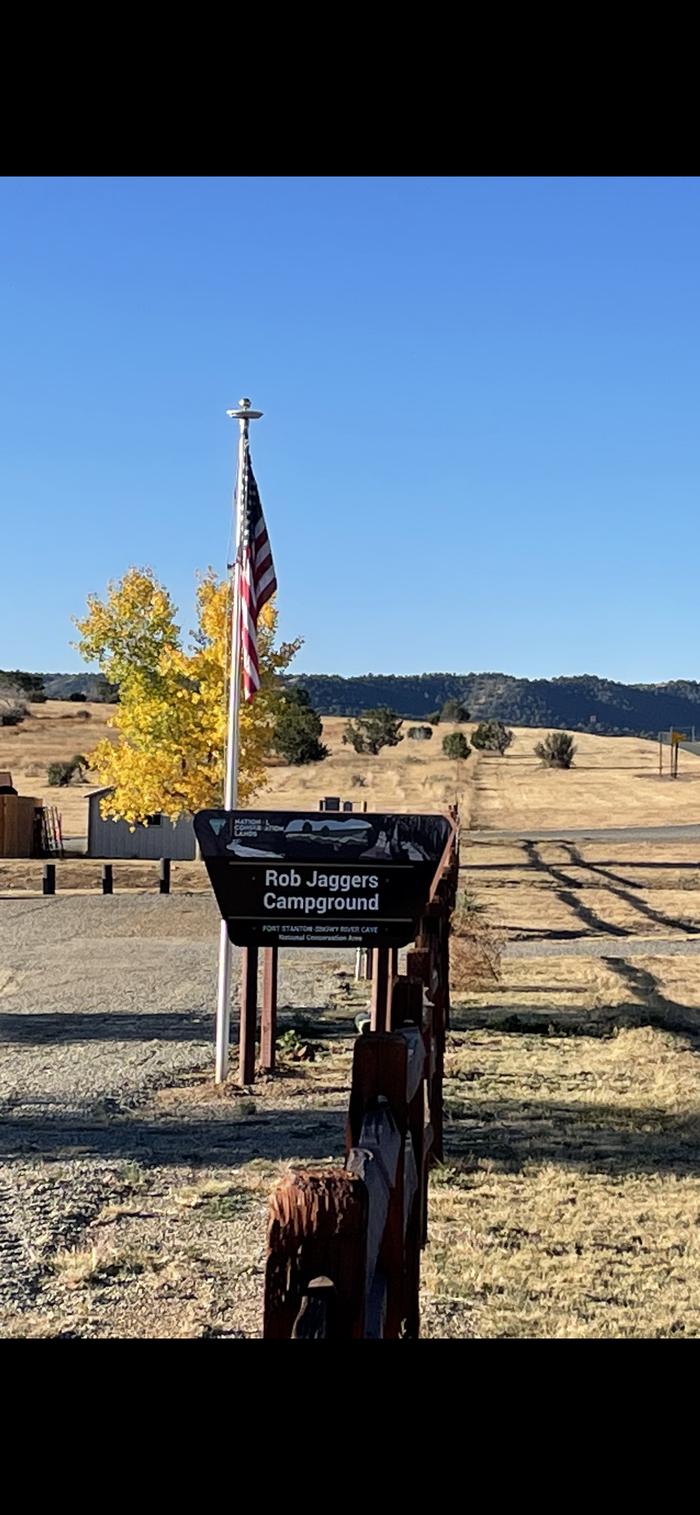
x=581, y=703
x=60, y=686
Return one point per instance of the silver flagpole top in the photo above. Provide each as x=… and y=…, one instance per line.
x=244, y=412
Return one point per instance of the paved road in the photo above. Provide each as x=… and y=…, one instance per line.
x=688, y=833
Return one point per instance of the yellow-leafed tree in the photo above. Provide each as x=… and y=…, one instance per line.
x=171, y=719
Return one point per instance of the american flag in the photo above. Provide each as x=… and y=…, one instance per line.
x=257, y=577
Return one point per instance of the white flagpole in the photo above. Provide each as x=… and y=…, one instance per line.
x=243, y=415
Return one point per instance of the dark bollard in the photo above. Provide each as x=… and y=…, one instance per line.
x=164, y=875
x=107, y=880
x=48, y=885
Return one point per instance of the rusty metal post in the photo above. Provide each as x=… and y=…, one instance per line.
x=317, y=1236
x=249, y=1014
x=268, y=1019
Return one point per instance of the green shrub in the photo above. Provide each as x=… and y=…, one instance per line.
x=373, y=730
x=557, y=750
x=492, y=736
x=298, y=729
x=420, y=733
x=456, y=745
x=59, y=775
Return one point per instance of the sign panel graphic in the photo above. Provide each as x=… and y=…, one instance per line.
x=317, y=879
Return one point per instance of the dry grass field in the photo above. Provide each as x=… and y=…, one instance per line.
x=569, y=1203
x=559, y=889
x=54, y=732
x=614, y=780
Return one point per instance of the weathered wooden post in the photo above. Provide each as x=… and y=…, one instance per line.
x=107, y=880
x=268, y=1019
x=48, y=883
x=387, y=1095
x=164, y=876
x=249, y=1014
x=380, y=988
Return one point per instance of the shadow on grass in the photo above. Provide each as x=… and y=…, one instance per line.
x=589, y=917
x=600, y=1138
x=507, y=1133
x=651, y=1007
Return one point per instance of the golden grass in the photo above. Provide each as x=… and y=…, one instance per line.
x=412, y=776
x=650, y=889
x=76, y=1266
x=570, y=1200
x=192, y=1196
x=51, y=733
x=614, y=782
x=569, y=1203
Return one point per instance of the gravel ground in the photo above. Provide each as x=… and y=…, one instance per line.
x=107, y=1107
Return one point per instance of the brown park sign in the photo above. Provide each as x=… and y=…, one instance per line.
x=314, y=879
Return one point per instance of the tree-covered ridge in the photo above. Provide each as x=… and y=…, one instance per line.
x=582, y=702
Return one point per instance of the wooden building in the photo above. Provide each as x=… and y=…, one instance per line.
x=20, y=826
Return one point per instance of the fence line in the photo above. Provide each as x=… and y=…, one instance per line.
x=343, y=1255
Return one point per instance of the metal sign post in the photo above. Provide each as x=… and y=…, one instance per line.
x=243, y=415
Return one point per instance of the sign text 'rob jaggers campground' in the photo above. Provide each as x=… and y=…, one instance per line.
x=311, y=879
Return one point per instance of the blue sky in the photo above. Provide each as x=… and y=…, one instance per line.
x=480, y=448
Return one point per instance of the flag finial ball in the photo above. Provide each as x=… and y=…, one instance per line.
x=244, y=403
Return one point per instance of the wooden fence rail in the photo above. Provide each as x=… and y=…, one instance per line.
x=344, y=1245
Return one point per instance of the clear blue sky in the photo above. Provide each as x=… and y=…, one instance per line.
x=481, y=442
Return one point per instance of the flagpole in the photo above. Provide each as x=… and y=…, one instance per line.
x=243, y=415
